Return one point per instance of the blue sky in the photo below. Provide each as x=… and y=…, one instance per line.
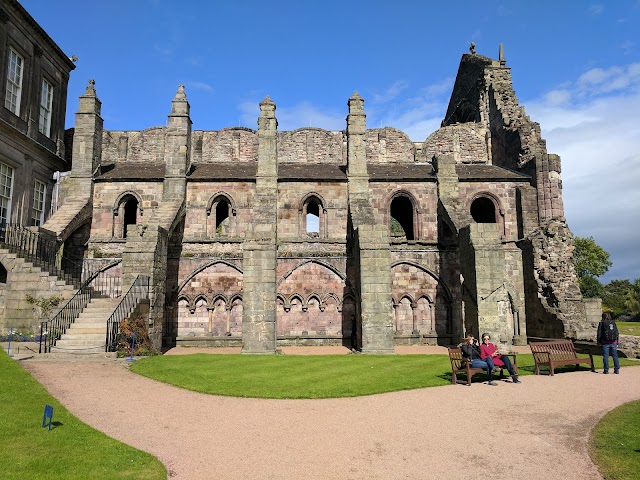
x=575, y=66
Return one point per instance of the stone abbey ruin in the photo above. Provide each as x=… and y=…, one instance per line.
x=264, y=237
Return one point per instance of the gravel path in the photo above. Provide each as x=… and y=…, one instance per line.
x=540, y=427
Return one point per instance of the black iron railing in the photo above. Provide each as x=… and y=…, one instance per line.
x=42, y=249
x=52, y=330
x=138, y=291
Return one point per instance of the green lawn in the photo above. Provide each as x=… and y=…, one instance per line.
x=629, y=328
x=70, y=450
x=615, y=443
x=298, y=376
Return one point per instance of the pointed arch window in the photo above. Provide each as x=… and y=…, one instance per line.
x=126, y=214
x=313, y=217
x=220, y=216
x=402, y=218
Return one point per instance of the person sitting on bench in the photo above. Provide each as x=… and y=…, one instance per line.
x=489, y=351
x=471, y=352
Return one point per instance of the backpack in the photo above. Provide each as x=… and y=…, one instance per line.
x=610, y=333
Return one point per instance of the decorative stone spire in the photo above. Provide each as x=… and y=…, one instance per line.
x=91, y=90
x=472, y=48
x=356, y=150
x=89, y=102
x=179, y=104
x=501, y=59
x=267, y=147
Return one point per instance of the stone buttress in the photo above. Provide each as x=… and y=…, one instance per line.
x=145, y=251
x=260, y=246
x=76, y=193
x=370, y=245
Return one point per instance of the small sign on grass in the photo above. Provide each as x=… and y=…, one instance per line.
x=48, y=414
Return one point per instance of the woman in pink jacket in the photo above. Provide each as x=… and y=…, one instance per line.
x=489, y=350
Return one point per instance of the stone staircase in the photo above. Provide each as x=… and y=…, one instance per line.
x=87, y=334
x=28, y=279
x=68, y=217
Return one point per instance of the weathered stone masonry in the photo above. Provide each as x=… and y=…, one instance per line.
x=362, y=236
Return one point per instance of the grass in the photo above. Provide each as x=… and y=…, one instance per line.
x=71, y=449
x=629, y=328
x=321, y=376
x=615, y=443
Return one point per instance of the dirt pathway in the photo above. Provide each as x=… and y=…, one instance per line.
x=540, y=428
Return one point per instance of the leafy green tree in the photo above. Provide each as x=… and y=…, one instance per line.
x=622, y=297
x=590, y=287
x=591, y=261
x=632, y=299
x=614, y=296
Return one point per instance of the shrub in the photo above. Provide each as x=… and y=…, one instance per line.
x=143, y=345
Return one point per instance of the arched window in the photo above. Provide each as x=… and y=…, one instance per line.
x=130, y=215
x=401, y=218
x=483, y=210
x=220, y=216
x=313, y=217
x=127, y=212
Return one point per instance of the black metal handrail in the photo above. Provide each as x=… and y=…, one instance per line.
x=42, y=249
x=138, y=291
x=53, y=329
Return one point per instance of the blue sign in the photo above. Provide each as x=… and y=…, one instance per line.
x=48, y=413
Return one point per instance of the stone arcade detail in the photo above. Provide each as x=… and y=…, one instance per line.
x=262, y=237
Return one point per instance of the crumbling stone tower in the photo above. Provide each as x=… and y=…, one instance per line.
x=483, y=96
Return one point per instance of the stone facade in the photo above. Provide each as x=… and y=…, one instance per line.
x=33, y=81
x=359, y=237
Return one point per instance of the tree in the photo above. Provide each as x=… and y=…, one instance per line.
x=591, y=261
x=614, y=296
x=590, y=287
x=622, y=297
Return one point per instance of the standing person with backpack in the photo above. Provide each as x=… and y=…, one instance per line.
x=608, y=337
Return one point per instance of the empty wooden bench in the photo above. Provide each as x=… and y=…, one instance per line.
x=555, y=353
x=460, y=365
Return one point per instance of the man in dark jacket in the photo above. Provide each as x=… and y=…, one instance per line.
x=608, y=337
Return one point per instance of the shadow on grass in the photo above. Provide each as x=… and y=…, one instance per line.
x=524, y=370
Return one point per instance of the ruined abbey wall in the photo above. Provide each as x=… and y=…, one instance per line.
x=359, y=237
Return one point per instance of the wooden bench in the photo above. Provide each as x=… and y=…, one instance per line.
x=555, y=353
x=460, y=365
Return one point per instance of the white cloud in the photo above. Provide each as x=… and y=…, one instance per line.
x=596, y=9
x=595, y=129
x=390, y=93
x=418, y=116
x=205, y=87
x=598, y=80
x=300, y=115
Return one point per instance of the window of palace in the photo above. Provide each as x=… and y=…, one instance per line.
x=13, y=92
x=37, y=210
x=46, y=103
x=6, y=185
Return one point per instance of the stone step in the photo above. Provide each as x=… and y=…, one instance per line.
x=72, y=350
x=95, y=314
x=87, y=330
x=89, y=315
x=102, y=324
x=88, y=354
x=91, y=337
